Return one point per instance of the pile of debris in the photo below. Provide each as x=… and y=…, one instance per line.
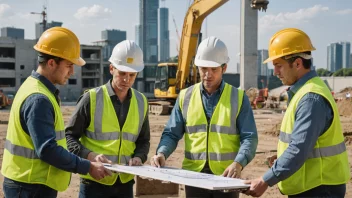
x=344, y=107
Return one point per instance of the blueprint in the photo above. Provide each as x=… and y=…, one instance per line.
x=180, y=176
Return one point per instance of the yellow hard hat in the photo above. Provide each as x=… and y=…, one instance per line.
x=60, y=42
x=288, y=41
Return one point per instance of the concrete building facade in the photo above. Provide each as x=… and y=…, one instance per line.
x=109, y=38
x=86, y=77
x=248, y=46
x=17, y=60
x=164, y=40
x=16, y=33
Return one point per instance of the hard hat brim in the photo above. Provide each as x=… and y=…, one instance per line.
x=206, y=63
x=270, y=59
x=125, y=68
x=79, y=62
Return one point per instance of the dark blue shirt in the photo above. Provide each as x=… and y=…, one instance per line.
x=37, y=117
x=175, y=127
x=314, y=116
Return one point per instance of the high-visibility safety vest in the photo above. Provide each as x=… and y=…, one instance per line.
x=104, y=135
x=21, y=163
x=327, y=163
x=217, y=141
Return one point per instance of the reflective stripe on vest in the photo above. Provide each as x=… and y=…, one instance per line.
x=60, y=135
x=20, y=150
x=98, y=117
x=27, y=152
x=318, y=152
x=212, y=156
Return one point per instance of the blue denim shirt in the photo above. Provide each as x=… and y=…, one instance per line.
x=175, y=127
x=37, y=117
x=313, y=117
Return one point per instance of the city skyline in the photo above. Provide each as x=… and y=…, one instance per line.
x=320, y=19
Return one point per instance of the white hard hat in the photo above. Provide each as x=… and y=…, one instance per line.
x=212, y=52
x=127, y=56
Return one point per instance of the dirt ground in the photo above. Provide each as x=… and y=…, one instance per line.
x=268, y=124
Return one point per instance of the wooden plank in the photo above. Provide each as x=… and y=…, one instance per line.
x=146, y=186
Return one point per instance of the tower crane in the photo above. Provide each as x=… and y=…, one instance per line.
x=44, y=16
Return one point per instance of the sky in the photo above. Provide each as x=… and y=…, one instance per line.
x=325, y=21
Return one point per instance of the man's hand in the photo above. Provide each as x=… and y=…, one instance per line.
x=233, y=171
x=158, y=160
x=98, y=171
x=271, y=160
x=258, y=187
x=94, y=157
x=136, y=161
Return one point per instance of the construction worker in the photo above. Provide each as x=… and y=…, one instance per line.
x=2, y=98
x=122, y=135
x=216, y=119
x=311, y=156
x=36, y=162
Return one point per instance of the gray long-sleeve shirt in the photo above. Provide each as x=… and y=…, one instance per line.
x=80, y=121
x=313, y=117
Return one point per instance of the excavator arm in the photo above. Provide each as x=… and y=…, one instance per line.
x=189, y=39
x=173, y=77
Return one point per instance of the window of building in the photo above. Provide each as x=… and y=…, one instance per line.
x=150, y=71
x=72, y=81
x=7, y=66
x=7, y=82
x=22, y=67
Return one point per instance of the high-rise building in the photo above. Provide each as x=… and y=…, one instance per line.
x=12, y=32
x=148, y=19
x=334, y=57
x=350, y=61
x=164, y=40
x=138, y=35
x=113, y=35
x=39, y=28
x=109, y=38
x=262, y=67
x=346, y=51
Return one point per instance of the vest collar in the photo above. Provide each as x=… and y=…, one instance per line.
x=46, y=82
x=219, y=90
x=295, y=87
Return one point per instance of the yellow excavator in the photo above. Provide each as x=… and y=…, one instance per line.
x=173, y=77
